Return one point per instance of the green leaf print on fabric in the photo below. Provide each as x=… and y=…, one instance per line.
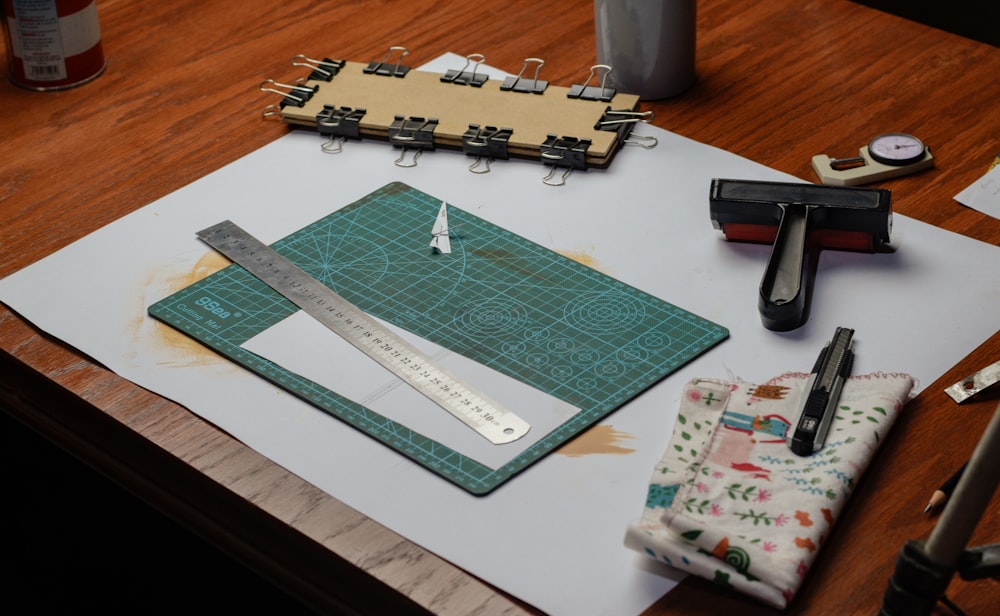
x=736, y=491
x=758, y=518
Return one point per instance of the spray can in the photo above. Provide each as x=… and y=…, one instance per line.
x=52, y=44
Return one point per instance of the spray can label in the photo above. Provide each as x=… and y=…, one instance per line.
x=53, y=44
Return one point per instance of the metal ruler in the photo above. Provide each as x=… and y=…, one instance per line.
x=489, y=419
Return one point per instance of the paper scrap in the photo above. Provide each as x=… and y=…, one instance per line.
x=440, y=239
x=984, y=193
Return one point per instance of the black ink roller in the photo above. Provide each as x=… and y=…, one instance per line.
x=799, y=220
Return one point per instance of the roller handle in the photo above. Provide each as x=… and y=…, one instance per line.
x=783, y=290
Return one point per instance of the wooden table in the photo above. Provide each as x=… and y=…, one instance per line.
x=779, y=82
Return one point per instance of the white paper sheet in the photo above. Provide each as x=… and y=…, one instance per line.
x=983, y=194
x=644, y=220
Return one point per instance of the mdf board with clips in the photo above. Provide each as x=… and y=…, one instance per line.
x=493, y=119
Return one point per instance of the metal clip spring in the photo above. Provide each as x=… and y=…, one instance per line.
x=395, y=70
x=589, y=92
x=520, y=84
x=463, y=77
x=296, y=93
x=562, y=180
x=328, y=68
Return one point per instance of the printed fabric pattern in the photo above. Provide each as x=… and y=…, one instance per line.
x=731, y=503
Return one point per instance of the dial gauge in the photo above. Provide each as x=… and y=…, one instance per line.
x=896, y=149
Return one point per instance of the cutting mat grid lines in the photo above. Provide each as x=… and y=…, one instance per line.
x=178, y=313
x=498, y=298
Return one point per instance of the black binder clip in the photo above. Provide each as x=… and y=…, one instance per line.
x=487, y=142
x=594, y=93
x=390, y=70
x=292, y=94
x=339, y=124
x=521, y=84
x=622, y=121
x=567, y=153
x=463, y=77
x=412, y=133
x=322, y=70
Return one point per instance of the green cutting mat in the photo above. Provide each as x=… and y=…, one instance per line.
x=499, y=299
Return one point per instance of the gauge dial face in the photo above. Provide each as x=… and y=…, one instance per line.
x=896, y=149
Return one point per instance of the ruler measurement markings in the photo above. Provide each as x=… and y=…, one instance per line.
x=405, y=440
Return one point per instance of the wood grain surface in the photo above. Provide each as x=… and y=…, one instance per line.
x=779, y=82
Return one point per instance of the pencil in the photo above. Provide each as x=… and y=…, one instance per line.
x=941, y=494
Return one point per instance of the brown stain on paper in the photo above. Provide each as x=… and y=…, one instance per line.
x=583, y=258
x=162, y=285
x=601, y=439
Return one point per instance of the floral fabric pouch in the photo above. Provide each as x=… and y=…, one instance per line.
x=730, y=502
